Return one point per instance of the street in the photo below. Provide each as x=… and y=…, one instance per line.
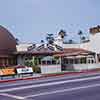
x=85, y=87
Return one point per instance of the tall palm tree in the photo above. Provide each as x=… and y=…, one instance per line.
x=83, y=39
x=62, y=33
x=50, y=38
x=17, y=41
x=80, y=33
x=42, y=41
x=70, y=41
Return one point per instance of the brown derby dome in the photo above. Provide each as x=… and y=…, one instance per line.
x=7, y=42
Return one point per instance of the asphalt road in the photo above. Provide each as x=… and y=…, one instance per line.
x=84, y=87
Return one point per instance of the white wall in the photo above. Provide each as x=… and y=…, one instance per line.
x=95, y=42
x=23, y=47
x=92, y=45
x=71, y=45
x=81, y=67
x=85, y=46
x=46, y=69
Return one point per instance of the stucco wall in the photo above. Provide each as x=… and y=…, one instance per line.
x=95, y=43
x=50, y=69
x=81, y=67
x=23, y=47
x=71, y=45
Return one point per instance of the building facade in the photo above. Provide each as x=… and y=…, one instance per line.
x=68, y=54
x=7, y=48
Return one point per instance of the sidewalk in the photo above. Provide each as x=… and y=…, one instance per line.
x=40, y=76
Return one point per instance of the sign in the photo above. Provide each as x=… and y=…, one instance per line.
x=7, y=71
x=1, y=73
x=24, y=70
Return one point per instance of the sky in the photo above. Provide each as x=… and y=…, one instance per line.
x=31, y=20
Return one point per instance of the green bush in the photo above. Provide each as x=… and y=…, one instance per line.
x=36, y=69
x=28, y=63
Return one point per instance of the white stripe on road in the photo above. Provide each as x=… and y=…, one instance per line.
x=38, y=80
x=41, y=80
x=47, y=79
x=64, y=90
x=49, y=84
x=12, y=96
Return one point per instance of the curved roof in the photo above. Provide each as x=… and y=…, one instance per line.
x=7, y=42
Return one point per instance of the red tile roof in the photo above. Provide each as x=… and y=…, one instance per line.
x=65, y=52
x=73, y=52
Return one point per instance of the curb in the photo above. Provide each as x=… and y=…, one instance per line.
x=49, y=75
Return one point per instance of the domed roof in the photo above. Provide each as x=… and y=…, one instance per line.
x=7, y=42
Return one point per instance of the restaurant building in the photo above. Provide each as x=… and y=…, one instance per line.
x=7, y=48
x=52, y=58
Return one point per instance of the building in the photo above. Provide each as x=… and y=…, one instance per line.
x=90, y=45
x=7, y=48
x=69, y=56
x=72, y=56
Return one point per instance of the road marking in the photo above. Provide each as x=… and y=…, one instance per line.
x=40, y=80
x=50, y=79
x=64, y=90
x=12, y=96
x=49, y=84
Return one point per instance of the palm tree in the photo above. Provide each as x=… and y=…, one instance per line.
x=50, y=38
x=80, y=33
x=62, y=33
x=17, y=41
x=83, y=39
x=42, y=41
x=70, y=41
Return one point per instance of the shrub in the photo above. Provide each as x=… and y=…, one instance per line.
x=36, y=69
